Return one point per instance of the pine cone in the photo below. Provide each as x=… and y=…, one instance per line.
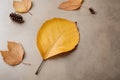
x=16, y=17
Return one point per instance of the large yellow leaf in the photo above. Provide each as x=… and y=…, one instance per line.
x=57, y=36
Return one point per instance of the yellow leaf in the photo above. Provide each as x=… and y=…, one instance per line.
x=71, y=5
x=57, y=36
x=22, y=6
x=15, y=54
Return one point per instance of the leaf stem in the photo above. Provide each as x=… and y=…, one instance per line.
x=25, y=63
x=30, y=13
x=85, y=7
x=40, y=67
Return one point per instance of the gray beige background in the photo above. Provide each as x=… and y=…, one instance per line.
x=97, y=56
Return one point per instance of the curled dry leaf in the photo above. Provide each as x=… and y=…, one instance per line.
x=14, y=55
x=22, y=6
x=71, y=5
x=57, y=36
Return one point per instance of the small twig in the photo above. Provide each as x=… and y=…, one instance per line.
x=40, y=67
x=85, y=7
x=30, y=13
x=26, y=63
x=92, y=11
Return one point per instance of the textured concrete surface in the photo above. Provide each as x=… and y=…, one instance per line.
x=97, y=56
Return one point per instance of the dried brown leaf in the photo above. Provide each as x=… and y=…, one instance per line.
x=22, y=6
x=71, y=5
x=14, y=55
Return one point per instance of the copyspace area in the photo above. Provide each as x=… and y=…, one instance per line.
x=97, y=56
